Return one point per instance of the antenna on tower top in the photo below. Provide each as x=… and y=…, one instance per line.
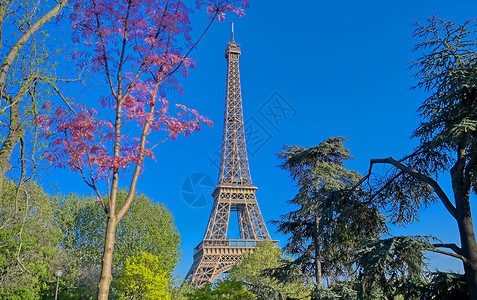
x=232, y=31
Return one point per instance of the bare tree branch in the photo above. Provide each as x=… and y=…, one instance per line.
x=435, y=186
x=448, y=254
x=387, y=184
x=452, y=246
x=61, y=96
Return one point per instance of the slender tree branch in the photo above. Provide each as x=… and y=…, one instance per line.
x=61, y=96
x=25, y=215
x=161, y=142
x=449, y=254
x=143, y=60
x=137, y=171
x=195, y=44
x=144, y=134
x=123, y=49
x=33, y=152
x=411, y=155
x=359, y=183
x=20, y=94
x=3, y=8
x=103, y=49
x=22, y=173
x=10, y=58
x=5, y=224
x=387, y=184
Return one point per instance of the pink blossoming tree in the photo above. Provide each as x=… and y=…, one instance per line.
x=138, y=46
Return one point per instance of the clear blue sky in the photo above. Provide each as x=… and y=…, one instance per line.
x=340, y=68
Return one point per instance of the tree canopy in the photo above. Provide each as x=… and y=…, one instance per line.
x=29, y=238
x=143, y=277
x=254, y=270
x=148, y=227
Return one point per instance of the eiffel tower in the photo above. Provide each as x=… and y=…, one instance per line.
x=217, y=254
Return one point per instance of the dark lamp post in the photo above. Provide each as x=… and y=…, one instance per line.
x=58, y=274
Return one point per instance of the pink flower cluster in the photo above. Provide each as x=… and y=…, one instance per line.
x=138, y=46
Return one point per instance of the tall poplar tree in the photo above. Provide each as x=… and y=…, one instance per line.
x=26, y=72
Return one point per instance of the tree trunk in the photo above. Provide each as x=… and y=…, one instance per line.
x=15, y=132
x=106, y=276
x=317, y=245
x=461, y=185
x=469, y=251
x=468, y=242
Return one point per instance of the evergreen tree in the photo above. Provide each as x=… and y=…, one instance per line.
x=332, y=220
x=446, y=70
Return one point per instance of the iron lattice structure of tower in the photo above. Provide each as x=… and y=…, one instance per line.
x=217, y=254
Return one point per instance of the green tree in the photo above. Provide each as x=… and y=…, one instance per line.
x=337, y=291
x=229, y=288
x=143, y=278
x=146, y=227
x=446, y=70
x=446, y=286
x=252, y=269
x=332, y=219
x=392, y=267
x=29, y=252
x=180, y=289
x=26, y=64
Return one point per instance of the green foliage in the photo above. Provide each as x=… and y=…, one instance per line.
x=143, y=278
x=332, y=219
x=338, y=291
x=83, y=225
x=447, y=70
x=229, y=288
x=180, y=289
x=29, y=253
x=146, y=227
x=446, y=286
x=252, y=269
x=393, y=266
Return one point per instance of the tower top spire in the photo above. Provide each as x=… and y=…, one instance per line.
x=232, y=46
